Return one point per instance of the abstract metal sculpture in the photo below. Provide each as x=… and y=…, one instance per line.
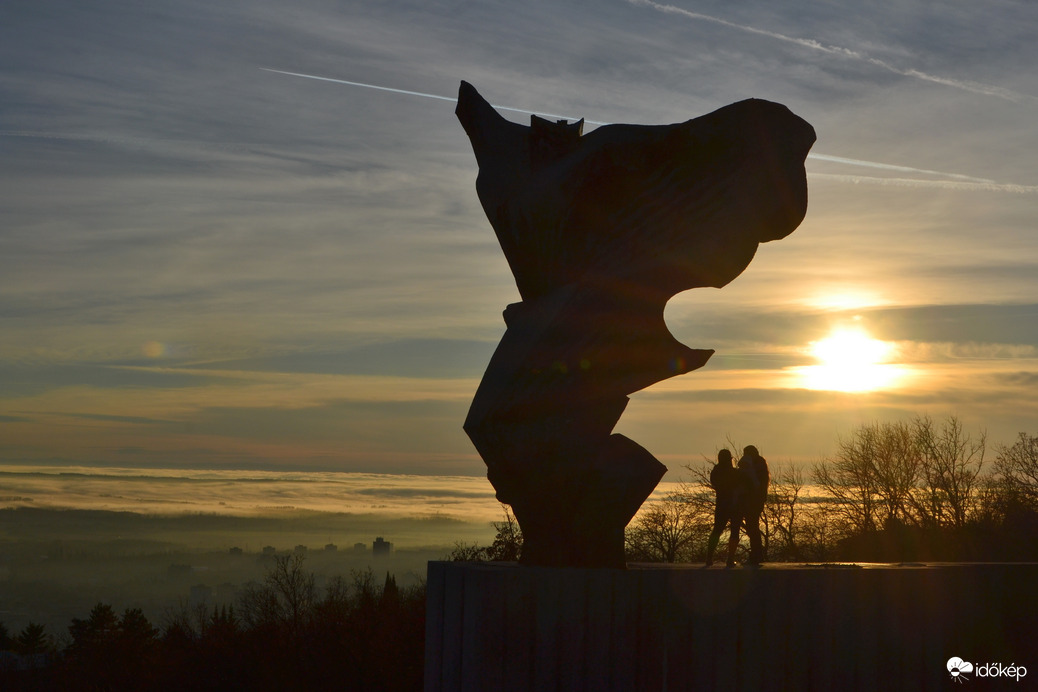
x=600, y=231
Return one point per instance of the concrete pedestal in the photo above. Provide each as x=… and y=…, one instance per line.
x=499, y=626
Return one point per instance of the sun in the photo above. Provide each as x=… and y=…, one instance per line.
x=849, y=348
x=850, y=361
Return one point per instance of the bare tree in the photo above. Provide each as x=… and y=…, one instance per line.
x=820, y=530
x=850, y=479
x=665, y=531
x=1010, y=493
x=874, y=475
x=782, y=516
x=507, y=545
x=1016, y=467
x=287, y=595
x=467, y=552
x=950, y=464
x=698, y=492
x=896, y=466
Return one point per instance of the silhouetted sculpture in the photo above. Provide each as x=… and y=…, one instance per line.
x=600, y=232
x=726, y=482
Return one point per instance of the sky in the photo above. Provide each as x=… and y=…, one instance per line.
x=208, y=263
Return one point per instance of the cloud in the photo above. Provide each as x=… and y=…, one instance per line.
x=24, y=380
x=106, y=418
x=922, y=352
x=439, y=358
x=297, y=274
x=425, y=493
x=962, y=324
x=847, y=53
x=1019, y=379
x=963, y=182
x=756, y=337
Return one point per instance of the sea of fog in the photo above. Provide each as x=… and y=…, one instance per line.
x=468, y=499
x=71, y=537
x=74, y=536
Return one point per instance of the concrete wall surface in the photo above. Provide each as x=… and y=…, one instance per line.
x=499, y=626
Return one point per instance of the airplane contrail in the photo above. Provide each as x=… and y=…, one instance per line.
x=974, y=87
x=892, y=167
x=963, y=185
x=422, y=94
x=818, y=157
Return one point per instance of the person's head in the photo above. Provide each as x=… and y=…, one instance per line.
x=724, y=457
x=750, y=451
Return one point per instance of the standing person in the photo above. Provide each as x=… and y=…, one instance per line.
x=724, y=478
x=754, y=470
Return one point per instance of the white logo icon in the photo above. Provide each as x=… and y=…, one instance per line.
x=958, y=668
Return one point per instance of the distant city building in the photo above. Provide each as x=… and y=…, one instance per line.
x=300, y=550
x=381, y=547
x=360, y=547
x=269, y=551
x=331, y=548
x=236, y=550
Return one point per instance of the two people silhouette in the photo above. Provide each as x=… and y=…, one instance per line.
x=741, y=493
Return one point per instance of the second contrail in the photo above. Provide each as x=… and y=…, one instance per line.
x=818, y=157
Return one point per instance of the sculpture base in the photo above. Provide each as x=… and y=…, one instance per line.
x=500, y=626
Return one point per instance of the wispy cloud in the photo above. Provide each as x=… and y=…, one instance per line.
x=288, y=271
x=919, y=182
x=816, y=156
x=133, y=420
x=848, y=53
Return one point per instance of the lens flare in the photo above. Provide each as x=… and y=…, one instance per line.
x=154, y=349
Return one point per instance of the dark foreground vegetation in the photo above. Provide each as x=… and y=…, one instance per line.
x=894, y=492
x=283, y=634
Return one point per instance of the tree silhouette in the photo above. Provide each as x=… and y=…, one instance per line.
x=111, y=652
x=33, y=641
x=390, y=593
x=950, y=462
x=665, y=531
x=286, y=596
x=782, y=518
x=851, y=477
x=1016, y=471
x=507, y=545
x=921, y=473
x=99, y=630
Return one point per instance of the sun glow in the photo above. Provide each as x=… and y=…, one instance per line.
x=850, y=361
x=845, y=300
